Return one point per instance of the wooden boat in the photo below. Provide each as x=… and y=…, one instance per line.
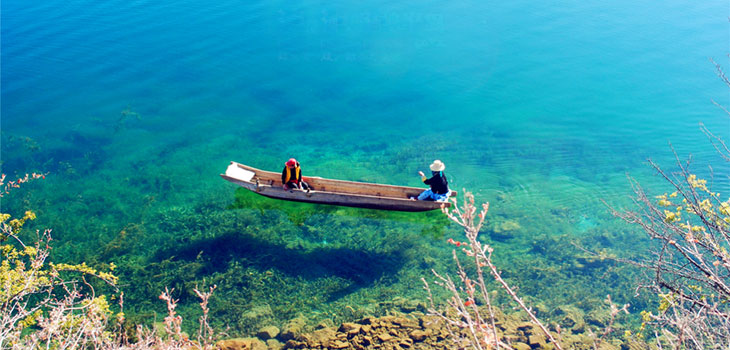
x=333, y=192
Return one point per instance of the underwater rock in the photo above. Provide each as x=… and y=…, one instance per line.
x=338, y=344
x=405, y=343
x=418, y=335
x=383, y=337
x=319, y=338
x=502, y=197
x=408, y=305
x=274, y=344
x=268, y=332
x=368, y=321
x=293, y=328
x=416, y=331
x=504, y=230
x=570, y=317
x=351, y=329
x=256, y=317
x=599, y=318
x=366, y=329
x=257, y=312
x=521, y=346
x=635, y=344
x=609, y=346
x=241, y=344
x=294, y=344
x=324, y=324
x=537, y=340
x=525, y=326
x=404, y=322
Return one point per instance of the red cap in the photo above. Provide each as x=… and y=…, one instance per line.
x=291, y=162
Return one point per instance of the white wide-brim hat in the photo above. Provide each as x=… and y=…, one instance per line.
x=437, y=165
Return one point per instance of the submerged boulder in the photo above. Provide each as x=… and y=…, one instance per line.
x=293, y=329
x=267, y=333
x=503, y=230
x=241, y=344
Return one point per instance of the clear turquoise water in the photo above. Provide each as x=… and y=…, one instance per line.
x=135, y=107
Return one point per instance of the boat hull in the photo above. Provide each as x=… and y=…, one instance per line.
x=338, y=192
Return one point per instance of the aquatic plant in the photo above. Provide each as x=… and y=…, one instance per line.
x=298, y=213
x=42, y=303
x=474, y=317
x=124, y=116
x=52, y=305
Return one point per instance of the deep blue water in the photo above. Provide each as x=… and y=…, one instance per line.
x=549, y=104
x=518, y=91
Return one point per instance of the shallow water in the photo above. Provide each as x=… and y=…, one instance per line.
x=134, y=108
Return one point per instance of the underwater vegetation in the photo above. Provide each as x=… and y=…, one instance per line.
x=273, y=260
x=298, y=213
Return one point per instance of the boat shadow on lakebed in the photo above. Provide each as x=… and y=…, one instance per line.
x=362, y=267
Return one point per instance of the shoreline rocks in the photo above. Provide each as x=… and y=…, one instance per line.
x=394, y=332
x=418, y=331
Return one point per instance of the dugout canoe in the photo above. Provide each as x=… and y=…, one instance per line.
x=332, y=192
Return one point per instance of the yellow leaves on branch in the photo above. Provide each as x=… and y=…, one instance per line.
x=16, y=276
x=663, y=201
x=697, y=183
x=725, y=208
x=85, y=269
x=718, y=214
x=666, y=300
x=706, y=206
x=97, y=307
x=670, y=217
x=13, y=226
x=31, y=319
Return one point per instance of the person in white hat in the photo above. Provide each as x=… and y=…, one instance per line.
x=439, y=190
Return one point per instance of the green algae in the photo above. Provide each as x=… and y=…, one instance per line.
x=299, y=213
x=330, y=263
x=273, y=260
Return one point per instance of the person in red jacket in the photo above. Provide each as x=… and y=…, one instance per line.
x=291, y=176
